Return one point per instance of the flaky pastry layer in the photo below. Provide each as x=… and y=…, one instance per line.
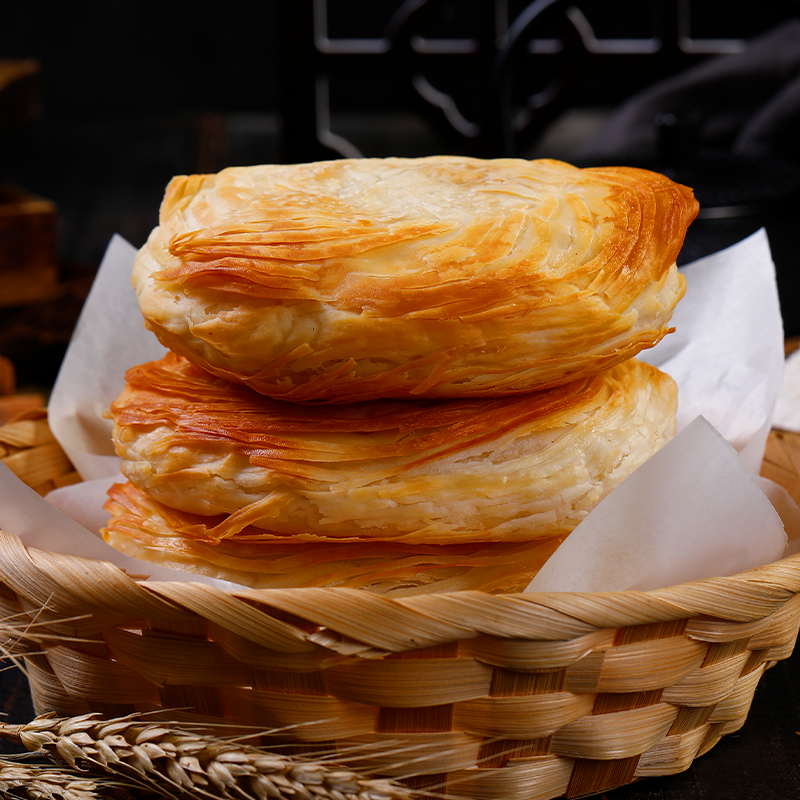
x=512, y=468
x=147, y=530
x=443, y=276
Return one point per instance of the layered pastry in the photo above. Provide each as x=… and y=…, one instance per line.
x=421, y=472
x=148, y=530
x=439, y=277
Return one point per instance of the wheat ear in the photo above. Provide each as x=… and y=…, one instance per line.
x=173, y=761
x=42, y=782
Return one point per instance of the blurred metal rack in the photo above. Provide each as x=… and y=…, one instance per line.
x=488, y=75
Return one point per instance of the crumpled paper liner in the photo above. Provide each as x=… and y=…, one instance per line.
x=629, y=544
x=726, y=355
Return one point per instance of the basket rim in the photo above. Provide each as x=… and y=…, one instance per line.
x=79, y=593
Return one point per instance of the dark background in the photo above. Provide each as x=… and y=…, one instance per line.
x=130, y=94
x=133, y=93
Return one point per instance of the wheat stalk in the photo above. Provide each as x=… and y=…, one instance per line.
x=46, y=782
x=174, y=761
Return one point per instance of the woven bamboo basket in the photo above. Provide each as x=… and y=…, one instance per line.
x=528, y=696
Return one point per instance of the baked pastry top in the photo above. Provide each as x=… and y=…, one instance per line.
x=444, y=276
x=510, y=468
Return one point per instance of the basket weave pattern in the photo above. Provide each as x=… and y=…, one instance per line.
x=486, y=696
x=29, y=449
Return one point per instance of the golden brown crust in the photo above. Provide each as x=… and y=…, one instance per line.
x=152, y=532
x=355, y=279
x=510, y=468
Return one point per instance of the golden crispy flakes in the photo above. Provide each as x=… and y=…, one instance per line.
x=512, y=468
x=435, y=277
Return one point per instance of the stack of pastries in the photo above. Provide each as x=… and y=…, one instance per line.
x=402, y=375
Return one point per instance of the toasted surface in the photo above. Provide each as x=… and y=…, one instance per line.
x=442, y=276
x=512, y=468
x=150, y=531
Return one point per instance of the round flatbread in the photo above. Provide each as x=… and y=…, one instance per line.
x=356, y=279
x=152, y=532
x=513, y=468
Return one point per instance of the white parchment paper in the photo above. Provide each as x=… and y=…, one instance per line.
x=109, y=338
x=626, y=543
x=726, y=355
